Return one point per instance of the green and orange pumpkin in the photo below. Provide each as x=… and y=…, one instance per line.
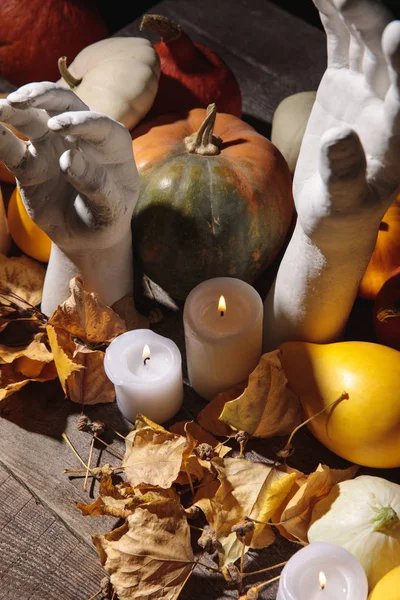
x=215, y=200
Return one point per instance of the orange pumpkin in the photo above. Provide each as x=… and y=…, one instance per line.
x=215, y=199
x=386, y=256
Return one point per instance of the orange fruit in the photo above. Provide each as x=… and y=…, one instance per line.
x=26, y=234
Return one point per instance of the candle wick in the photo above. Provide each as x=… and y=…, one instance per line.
x=144, y=361
x=222, y=313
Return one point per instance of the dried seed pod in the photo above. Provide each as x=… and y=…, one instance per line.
x=98, y=427
x=243, y=527
x=83, y=423
x=208, y=541
x=106, y=587
x=231, y=573
x=242, y=437
x=204, y=451
x=193, y=512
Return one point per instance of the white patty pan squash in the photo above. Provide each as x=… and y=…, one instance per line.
x=363, y=516
x=117, y=76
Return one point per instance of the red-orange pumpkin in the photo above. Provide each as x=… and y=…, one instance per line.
x=387, y=312
x=209, y=206
x=34, y=34
x=386, y=256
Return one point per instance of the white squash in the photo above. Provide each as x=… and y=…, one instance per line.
x=363, y=516
x=116, y=76
x=289, y=124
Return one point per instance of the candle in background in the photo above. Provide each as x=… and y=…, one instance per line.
x=146, y=369
x=322, y=571
x=223, y=334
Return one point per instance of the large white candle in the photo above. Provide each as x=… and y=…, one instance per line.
x=146, y=369
x=322, y=571
x=223, y=334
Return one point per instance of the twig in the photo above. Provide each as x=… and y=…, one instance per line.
x=288, y=446
x=95, y=470
x=259, y=587
x=64, y=435
x=115, y=452
x=95, y=595
x=265, y=569
x=241, y=566
x=94, y=437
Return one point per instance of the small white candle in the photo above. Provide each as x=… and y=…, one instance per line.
x=223, y=334
x=146, y=369
x=322, y=571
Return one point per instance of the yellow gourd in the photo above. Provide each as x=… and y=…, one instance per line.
x=388, y=588
x=365, y=427
x=25, y=233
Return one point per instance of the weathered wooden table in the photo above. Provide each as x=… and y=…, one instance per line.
x=45, y=544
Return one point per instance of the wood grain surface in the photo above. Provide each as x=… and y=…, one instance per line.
x=45, y=543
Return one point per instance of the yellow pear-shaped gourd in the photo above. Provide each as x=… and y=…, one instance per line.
x=388, y=588
x=365, y=427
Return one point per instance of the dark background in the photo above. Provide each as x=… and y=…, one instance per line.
x=118, y=13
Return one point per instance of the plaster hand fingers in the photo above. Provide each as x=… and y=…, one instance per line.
x=337, y=34
x=342, y=168
x=51, y=97
x=13, y=151
x=31, y=122
x=391, y=49
x=366, y=21
x=101, y=203
x=98, y=136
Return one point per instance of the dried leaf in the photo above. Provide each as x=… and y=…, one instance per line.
x=126, y=309
x=296, y=516
x=85, y=317
x=247, y=489
x=149, y=556
x=22, y=276
x=62, y=347
x=121, y=500
x=208, y=417
x=90, y=384
x=153, y=455
x=201, y=435
x=12, y=380
x=267, y=407
x=34, y=350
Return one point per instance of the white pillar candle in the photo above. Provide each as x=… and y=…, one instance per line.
x=146, y=369
x=322, y=571
x=223, y=343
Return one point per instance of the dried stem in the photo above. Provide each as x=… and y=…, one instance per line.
x=287, y=449
x=115, y=452
x=281, y=564
x=64, y=435
x=241, y=566
x=95, y=595
x=89, y=461
x=259, y=587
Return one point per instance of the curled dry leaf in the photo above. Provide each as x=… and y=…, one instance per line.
x=247, y=489
x=208, y=417
x=122, y=500
x=22, y=276
x=90, y=384
x=62, y=347
x=85, y=317
x=153, y=455
x=150, y=555
x=296, y=516
x=35, y=350
x=12, y=377
x=267, y=407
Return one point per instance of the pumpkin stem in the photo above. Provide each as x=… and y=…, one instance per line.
x=204, y=141
x=166, y=29
x=389, y=312
x=72, y=81
x=385, y=519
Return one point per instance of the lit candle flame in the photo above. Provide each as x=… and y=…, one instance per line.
x=322, y=580
x=222, y=306
x=146, y=353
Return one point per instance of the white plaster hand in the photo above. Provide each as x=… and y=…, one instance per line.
x=347, y=175
x=79, y=183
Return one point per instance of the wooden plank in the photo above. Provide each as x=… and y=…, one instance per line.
x=272, y=53
x=39, y=557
